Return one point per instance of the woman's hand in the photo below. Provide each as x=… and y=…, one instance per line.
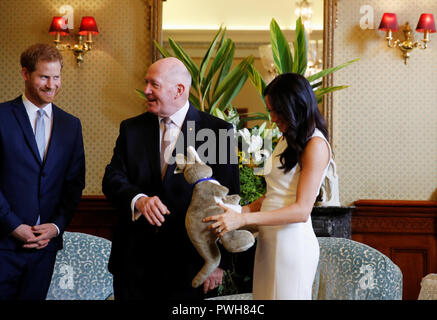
x=228, y=221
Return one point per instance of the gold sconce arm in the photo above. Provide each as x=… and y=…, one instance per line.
x=79, y=49
x=408, y=44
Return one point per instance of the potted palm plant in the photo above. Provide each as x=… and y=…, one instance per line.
x=285, y=61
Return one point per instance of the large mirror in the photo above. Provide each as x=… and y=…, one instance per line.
x=248, y=36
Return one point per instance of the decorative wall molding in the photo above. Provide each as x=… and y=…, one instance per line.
x=329, y=24
x=395, y=216
x=389, y=224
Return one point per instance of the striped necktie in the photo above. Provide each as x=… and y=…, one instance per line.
x=165, y=142
x=40, y=137
x=40, y=133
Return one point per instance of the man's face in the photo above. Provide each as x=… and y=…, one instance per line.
x=160, y=92
x=43, y=84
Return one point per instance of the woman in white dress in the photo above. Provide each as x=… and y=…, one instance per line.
x=287, y=252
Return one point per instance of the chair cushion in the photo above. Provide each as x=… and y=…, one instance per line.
x=350, y=270
x=81, y=271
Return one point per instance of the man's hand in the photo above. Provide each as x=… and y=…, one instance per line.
x=213, y=281
x=24, y=233
x=44, y=232
x=36, y=237
x=152, y=209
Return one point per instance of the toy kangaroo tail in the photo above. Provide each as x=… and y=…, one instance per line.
x=211, y=255
x=204, y=273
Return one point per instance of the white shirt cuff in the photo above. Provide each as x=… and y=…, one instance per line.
x=135, y=213
x=56, y=229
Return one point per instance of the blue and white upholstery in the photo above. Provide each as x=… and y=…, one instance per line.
x=81, y=269
x=350, y=270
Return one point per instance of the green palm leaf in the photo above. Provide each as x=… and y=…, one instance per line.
x=208, y=54
x=232, y=84
x=164, y=52
x=300, y=49
x=219, y=60
x=185, y=58
x=228, y=58
x=322, y=91
x=325, y=72
x=258, y=82
x=141, y=93
x=233, y=77
x=195, y=101
x=280, y=48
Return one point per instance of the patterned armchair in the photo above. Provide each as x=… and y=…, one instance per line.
x=81, y=271
x=350, y=270
x=428, y=287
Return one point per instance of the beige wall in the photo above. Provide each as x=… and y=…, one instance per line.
x=102, y=91
x=385, y=124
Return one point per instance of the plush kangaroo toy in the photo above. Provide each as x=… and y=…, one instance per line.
x=207, y=192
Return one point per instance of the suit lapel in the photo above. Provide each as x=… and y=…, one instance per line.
x=55, y=136
x=24, y=121
x=151, y=143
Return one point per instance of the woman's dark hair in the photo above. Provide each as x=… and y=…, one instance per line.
x=292, y=98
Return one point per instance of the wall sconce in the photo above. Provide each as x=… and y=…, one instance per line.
x=88, y=27
x=425, y=25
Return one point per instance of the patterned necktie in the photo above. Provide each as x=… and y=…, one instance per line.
x=40, y=137
x=165, y=142
x=40, y=133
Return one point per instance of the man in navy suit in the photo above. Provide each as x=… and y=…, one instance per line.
x=152, y=256
x=42, y=175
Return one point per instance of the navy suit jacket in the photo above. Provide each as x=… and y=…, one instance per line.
x=134, y=169
x=29, y=187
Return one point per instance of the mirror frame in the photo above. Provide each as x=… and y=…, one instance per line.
x=329, y=24
x=154, y=8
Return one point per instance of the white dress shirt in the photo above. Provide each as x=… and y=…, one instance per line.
x=177, y=119
x=32, y=112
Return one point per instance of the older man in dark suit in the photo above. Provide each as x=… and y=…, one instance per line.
x=42, y=175
x=152, y=256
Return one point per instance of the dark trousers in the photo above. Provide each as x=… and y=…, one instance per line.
x=127, y=287
x=25, y=274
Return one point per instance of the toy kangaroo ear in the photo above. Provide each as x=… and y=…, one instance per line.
x=192, y=155
x=181, y=161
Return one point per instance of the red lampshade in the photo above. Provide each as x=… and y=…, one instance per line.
x=389, y=22
x=426, y=23
x=88, y=24
x=59, y=25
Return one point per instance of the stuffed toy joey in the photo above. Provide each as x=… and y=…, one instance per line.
x=206, y=194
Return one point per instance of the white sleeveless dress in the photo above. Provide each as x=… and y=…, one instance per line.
x=286, y=256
